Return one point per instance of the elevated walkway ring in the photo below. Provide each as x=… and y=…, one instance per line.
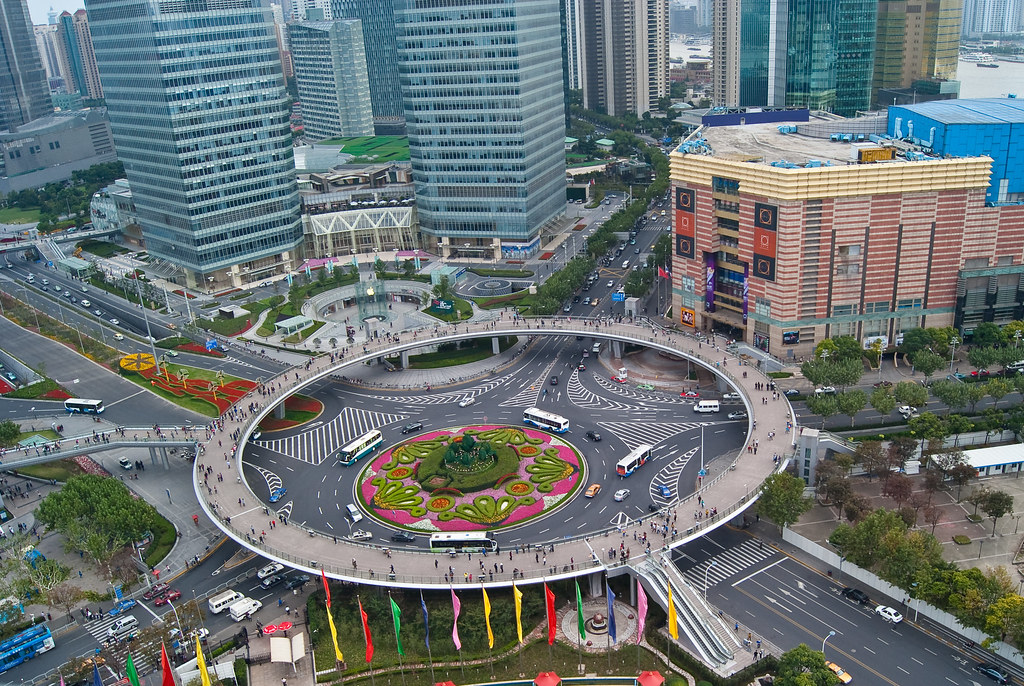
x=732, y=491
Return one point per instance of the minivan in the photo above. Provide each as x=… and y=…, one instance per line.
x=123, y=626
x=705, y=406
x=223, y=601
x=353, y=513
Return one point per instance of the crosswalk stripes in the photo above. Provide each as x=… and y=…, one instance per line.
x=626, y=391
x=638, y=432
x=443, y=398
x=316, y=445
x=581, y=396
x=98, y=630
x=669, y=476
x=528, y=396
x=727, y=563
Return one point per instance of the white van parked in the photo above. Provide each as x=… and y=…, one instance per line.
x=222, y=601
x=705, y=406
x=244, y=609
x=123, y=626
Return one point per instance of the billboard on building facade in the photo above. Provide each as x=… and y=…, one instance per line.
x=709, y=282
x=790, y=337
x=688, y=317
x=685, y=223
x=765, y=240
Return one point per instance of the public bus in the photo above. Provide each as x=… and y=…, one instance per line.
x=83, y=405
x=545, y=420
x=462, y=542
x=637, y=456
x=25, y=646
x=360, y=447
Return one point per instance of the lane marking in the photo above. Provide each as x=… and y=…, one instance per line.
x=752, y=575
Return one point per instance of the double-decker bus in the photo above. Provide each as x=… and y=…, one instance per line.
x=462, y=542
x=360, y=447
x=25, y=646
x=545, y=420
x=637, y=456
x=83, y=405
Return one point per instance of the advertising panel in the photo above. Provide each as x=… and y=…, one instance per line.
x=790, y=337
x=688, y=317
x=765, y=240
x=709, y=282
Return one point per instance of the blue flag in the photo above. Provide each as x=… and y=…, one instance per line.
x=96, y=680
x=426, y=624
x=611, y=610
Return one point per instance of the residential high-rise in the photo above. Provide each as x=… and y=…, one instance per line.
x=74, y=32
x=24, y=93
x=484, y=112
x=197, y=103
x=330, y=72
x=991, y=16
x=915, y=41
x=624, y=54
x=378, y=19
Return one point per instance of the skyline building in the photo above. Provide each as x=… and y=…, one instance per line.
x=916, y=42
x=24, y=91
x=330, y=74
x=379, y=43
x=73, y=31
x=197, y=104
x=484, y=106
x=991, y=16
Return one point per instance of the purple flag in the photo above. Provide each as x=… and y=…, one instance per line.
x=456, y=605
x=641, y=606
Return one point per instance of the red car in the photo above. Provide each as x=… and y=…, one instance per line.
x=689, y=394
x=619, y=379
x=155, y=592
x=979, y=373
x=167, y=597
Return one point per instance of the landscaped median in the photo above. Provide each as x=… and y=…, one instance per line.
x=199, y=390
x=298, y=409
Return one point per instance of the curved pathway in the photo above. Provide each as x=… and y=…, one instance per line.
x=243, y=517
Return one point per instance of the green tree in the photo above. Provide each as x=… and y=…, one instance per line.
x=910, y=393
x=996, y=505
x=927, y=362
x=952, y=394
x=980, y=357
x=802, y=666
x=782, y=499
x=443, y=289
x=927, y=426
x=408, y=269
x=962, y=474
x=957, y=424
x=823, y=405
x=915, y=340
x=997, y=389
x=882, y=401
x=987, y=334
x=978, y=496
x=379, y=268
x=1005, y=619
x=871, y=456
x=851, y=402
x=9, y=432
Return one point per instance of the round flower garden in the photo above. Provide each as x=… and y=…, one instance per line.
x=470, y=479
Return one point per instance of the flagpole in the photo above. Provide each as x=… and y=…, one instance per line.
x=398, y=642
x=370, y=661
x=426, y=637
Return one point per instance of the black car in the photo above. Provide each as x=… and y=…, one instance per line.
x=272, y=581
x=993, y=672
x=856, y=595
x=594, y=436
x=403, y=537
x=409, y=428
x=575, y=298
x=297, y=581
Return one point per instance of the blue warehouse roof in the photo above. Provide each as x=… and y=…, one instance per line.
x=972, y=111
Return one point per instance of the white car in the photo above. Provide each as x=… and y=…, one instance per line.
x=467, y=402
x=360, y=535
x=621, y=494
x=118, y=337
x=825, y=390
x=270, y=570
x=889, y=614
x=907, y=411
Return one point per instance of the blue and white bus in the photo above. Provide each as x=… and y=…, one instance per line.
x=83, y=405
x=545, y=420
x=637, y=457
x=360, y=447
x=25, y=646
x=462, y=542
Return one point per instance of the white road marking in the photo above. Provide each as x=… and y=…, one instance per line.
x=750, y=576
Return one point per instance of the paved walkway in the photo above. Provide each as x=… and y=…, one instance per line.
x=727, y=486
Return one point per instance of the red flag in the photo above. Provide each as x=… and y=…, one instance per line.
x=327, y=589
x=165, y=667
x=552, y=620
x=664, y=273
x=366, y=632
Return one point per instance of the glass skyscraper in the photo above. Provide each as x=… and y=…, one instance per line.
x=197, y=104
x=24, y=92
x=482, y=87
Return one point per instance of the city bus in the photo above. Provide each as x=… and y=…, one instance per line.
x=25, y=646
x=360, y=447
x=637, y=456
x=462, y=542
x=83, y=405
x=545, y=420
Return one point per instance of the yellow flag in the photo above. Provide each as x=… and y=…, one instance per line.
x=201, y=663
x=487, y=620
x=519, y=612
x=334, y=634
x=673, y=624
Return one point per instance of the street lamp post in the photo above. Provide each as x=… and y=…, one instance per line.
x=706, y=572
x=1016, y=339
x=953, y=343
x=178, y=621
x=830, y=635
x=145, y=317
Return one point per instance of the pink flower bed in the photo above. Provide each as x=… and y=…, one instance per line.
x=528, y=505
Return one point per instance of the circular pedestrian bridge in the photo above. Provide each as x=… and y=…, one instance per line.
x=240, y=514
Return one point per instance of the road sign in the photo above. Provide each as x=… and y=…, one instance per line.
x=117, y=592
x=211, y=344
x=618, y=297
x=702, y=472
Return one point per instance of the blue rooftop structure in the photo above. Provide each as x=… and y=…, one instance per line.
x=968, y=128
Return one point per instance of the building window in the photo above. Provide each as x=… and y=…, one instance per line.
x=871, y=308
x=687, y=284
x=843, y=310
x=910, y=303
x=763, y=307
x=844, y=329
x=847, y=269
x=849, y=250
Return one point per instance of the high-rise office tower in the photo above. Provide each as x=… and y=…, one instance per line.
x=991, y=16
x=916, y=41
x=573, y=42
x=24, y=93
x=77, y=38
x=624, y=54
x=798, y=53
x=484, y=110
x=197, y=104
x=330, y=72
x=378, y=19
x=46, y=44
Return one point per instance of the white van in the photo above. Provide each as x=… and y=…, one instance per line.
x=1017, y=366
x=222, y=601
x=123, y=626
x=353, y=513
x=625, y=264
x=705, y=406
x=243, y=609
x=596, y=349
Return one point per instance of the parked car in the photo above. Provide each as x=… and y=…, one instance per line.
x=689, y=394
x=270, y=570
x=645, y=387
x=621, y=494
x=619, y=379
x=791, y=392
x=992, y=672
x=890, y=614
x=157, y=590
x=278, y=493
x=825, y=390
x=403, y=537
x=594, y=436
x=121, y=606
x=167, y=597
x=856, y=595
x=839, y=672
x=882, y=384
x=297, y=581
x=272, y=581
x=125, y=463
x=593, y=490
x=980, y=373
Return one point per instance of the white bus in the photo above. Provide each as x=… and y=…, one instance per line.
x=83, y=405
x=637, y=456
x=364, y=445
x=462, y=542
x=545, y=420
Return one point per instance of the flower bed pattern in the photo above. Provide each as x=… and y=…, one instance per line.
x=221, y=397
x=56, y=394
x=549, y=470
x=199, y=349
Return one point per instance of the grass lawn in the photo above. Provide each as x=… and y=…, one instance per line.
x=463, y=310
x=300, y=336
x=509, y=273
x=101, y=248
x=480, y=350
x=164, y=536
x=61, y=470
x=189, y=403
x=16, y=215
x=225, y=327
x=374, y=148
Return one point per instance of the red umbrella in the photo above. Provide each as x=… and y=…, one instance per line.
x=445, y=683
x=547, y=679
x=270, y=628
x=650, y=679
x=284, y=626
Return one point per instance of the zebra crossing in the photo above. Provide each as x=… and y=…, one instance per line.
x=443, y=398
x=639, y=432
x=531, y=391
x=273, y=481
x=143, y=662
x=581, y=396
x=628, y=392
x=669, y=476
x=316, y=445
x=727, y=564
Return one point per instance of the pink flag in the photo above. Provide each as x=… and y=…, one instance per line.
x=641, y=606
x=455, y=624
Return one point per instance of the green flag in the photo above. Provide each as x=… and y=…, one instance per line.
x=579, y=614
x=133, y=675
x=397, y=614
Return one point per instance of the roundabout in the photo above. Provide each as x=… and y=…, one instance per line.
x=529, y=505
